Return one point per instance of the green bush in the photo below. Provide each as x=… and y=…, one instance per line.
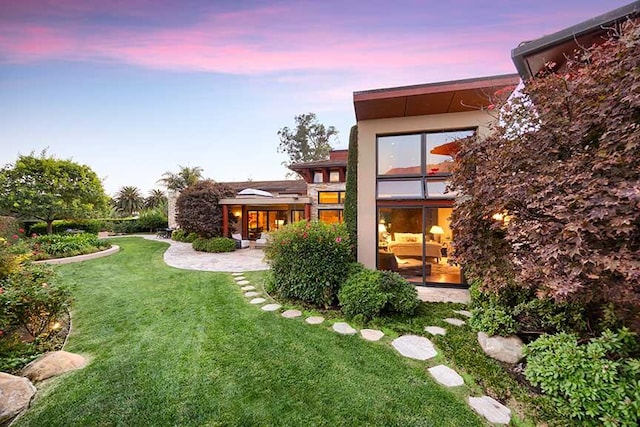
x=309, y=261
x=152, y=219
x=368, y=294
x=518, y=310
x=178, y=235
x=65, y=245
x=30, y=300
x=595, y=383
x=61, y=226
x=190, y=238
x=127, y=226
x=216, y=244
x=9, y=227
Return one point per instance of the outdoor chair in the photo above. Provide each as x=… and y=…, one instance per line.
x=240, y=243
x=262, y=241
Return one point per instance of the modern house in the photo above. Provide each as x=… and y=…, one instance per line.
x=405, y=144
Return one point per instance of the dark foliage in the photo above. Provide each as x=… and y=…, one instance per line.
x=198, y=208
x=351, y=192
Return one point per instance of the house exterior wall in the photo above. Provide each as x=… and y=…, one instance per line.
x=172, y=199
x=312, y=193
x=368, y=130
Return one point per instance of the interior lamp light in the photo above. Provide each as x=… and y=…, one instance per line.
x=436, y=230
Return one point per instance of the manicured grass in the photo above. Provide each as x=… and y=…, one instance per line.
x=175, y=347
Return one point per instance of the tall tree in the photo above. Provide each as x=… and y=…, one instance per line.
x=155, y=199
x=309, y=141
x=199, y=210
x=129, y=200
x=182, y=179
x=351, y=192
x=45, y=188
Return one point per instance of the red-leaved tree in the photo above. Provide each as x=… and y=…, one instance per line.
x=198, y=208
x=564, y=167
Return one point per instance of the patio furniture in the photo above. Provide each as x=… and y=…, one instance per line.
x=164, y=233
x=240, y=243
x=263, y=240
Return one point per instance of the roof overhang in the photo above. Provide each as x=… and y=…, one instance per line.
x=434, y=98
x=262, y=201
x=531, y=56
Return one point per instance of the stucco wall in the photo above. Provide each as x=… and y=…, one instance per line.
x=367, y=132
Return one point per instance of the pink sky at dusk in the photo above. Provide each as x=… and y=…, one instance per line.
x=249, y=67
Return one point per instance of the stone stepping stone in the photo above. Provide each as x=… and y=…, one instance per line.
x=290, y=314
x=271, y=307
x=239, y=278
x=414, y=347
x=248, y=288
x=435, y=330
x=464, y=313
x=244, y=282
x=371, y=334
x=314, y=320
x=454, y=322
x=257, y=301
x=237, y=274
x=446, y=376
x=491, y=409
x=251, y=294
x=344, y=328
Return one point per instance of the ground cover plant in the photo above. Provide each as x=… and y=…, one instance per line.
x=177, y=347
x=65, y=245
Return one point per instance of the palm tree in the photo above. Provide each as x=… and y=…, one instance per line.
x=181, y=180
x=129, y=200
x=155, y=199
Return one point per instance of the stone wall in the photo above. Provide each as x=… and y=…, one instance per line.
x=172, y=199
x=312, y=193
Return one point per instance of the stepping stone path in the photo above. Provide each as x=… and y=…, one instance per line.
x=257, y=301
x=371, y=334
x=290, y=314
x=248, y=288
x=244, y=282
x=314, y=320
x=414, y=347
x=435, y=330
x=446, y=376
x=464, y=313
x=491, y=409
x=344, y=328
x=251, y=294
x=237, y=274
x=239, y=278
x=271, y=307
x=454, y=322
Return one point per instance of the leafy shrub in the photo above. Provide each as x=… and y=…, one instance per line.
x=309, y=261
x=368, y=294
x=66, y=245
x=152, y=219
x=179, y=235
x=518, y=310
x=198, y=208
x=61, y=226
x=127, y=226
x=13, y=253
x=351, y=191
x=30, y=300
x=9, y=227
x=190, y=238
x=595, y=383
x=216, y=244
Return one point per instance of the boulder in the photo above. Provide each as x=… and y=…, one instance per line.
x=505, y=349
x=53, y=364
x=15, y=395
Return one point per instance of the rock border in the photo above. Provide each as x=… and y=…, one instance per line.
x=79, y=258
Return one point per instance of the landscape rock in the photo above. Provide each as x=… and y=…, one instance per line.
x=454, y=322
x=257, y=301
x=344, y=328
x=248, y=288
x=53, y=364
x=371, y=334
x=239, y=278
x=446, y=376
x=271, y=307
x=251, y=294
x=435, y=330
x=314, y=320
x=290, y=314
x=505, y=349
x=243, y=282
x=237, y=274
x=414, y=347
x=464, y=313
x=494, y=411
x=15, y=395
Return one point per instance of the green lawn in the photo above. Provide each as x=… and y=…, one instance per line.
x=175, y=347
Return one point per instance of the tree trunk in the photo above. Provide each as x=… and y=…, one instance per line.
x=49, y=226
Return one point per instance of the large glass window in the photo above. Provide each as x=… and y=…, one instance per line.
x=440, y=147
x=331, y=197
x=405, y=189
x=399, y=155
x=330, y=216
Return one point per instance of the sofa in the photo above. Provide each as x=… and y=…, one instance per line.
x=410, y=245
